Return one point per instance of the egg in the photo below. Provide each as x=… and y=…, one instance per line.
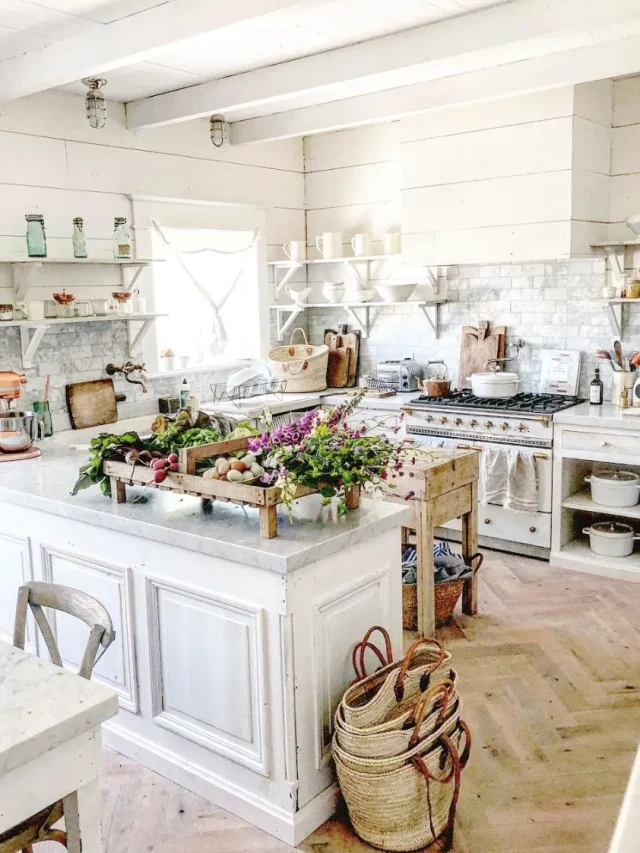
x=238, y=465
x=247, y=475
x=234, y=476
x=249, y=459
x=256, y=469
x=214, y=474
x=223, y=466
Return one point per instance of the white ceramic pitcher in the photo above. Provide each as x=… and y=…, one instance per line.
x=329, y=244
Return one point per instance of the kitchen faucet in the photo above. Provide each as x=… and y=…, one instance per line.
x=127, y=369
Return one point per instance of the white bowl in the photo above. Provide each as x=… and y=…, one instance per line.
x=393, y=291
x=634, y=223
x=360, y=295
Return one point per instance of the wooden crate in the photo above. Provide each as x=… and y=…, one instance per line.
x=185, y=481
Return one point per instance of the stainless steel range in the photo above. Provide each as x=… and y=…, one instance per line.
x=468, y=422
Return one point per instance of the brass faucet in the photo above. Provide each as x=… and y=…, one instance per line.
x=127, y=369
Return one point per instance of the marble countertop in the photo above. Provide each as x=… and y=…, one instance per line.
x=606, y=416
x=42, y=706
x=225, y=530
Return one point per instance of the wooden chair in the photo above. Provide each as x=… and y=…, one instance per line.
x=36, y=596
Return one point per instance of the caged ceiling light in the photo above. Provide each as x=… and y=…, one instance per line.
x=95, y=102
x=218, y=130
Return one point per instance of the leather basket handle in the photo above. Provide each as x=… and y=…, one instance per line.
x=360, y=670
x=445, y=688
x=406, y=663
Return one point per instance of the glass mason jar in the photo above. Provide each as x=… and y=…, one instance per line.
x=79, y=240
x=121, y=238
x=36, y=239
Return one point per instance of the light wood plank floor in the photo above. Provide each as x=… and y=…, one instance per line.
x=550, y=678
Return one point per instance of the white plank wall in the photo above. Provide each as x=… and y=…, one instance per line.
x=625, y=155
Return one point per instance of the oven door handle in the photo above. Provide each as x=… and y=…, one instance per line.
x=539, y=456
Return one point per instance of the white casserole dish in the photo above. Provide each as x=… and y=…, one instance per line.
x=611, y=538
x=494, y=385
x=614, y=488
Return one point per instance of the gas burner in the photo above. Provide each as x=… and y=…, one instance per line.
x=520, y=403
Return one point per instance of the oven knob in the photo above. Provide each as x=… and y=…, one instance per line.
x=504, y=426
x=487, y=521
x=429, y=418
x=473, y=422
x=488, y=424
x=457, y=421
x=522, y=428
x=442, y=420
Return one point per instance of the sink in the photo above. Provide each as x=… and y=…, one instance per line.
x=79, y=439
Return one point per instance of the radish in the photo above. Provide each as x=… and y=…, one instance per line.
x=160, y=476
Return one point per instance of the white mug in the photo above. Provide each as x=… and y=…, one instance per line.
x=329, y=244
x=32, y=310
x=392, y=243
x=296, y=250
x=361, y=244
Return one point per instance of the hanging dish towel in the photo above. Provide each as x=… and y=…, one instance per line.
x=522, y=481
x=494, y=475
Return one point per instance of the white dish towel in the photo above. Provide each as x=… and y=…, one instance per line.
x=508, y=477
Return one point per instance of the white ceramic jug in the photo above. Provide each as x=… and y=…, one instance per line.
x=298, y=296
x=329, y=244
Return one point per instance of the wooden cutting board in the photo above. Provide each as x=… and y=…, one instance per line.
x=338, y=367
x=337, y=342
x=477, y=346
x=92, y=403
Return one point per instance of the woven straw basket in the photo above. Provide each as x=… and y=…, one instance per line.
x=394, y=689
x=302, y=366
x=446, y=595
x=411, y=806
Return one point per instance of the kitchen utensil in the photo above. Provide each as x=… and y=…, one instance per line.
x=296, y=250
x=338, y=367
x=611, y=538
x=92, y=403
x=494, y=385
x=344, y=351
x=438, y=385
x=333, y=291
x=32, y=310
x=84, y=308
x=392, y=243
x=6, y=311
x=477, y=346
x=18, y=431
x=614, y=488
x=361, y=244
x=100, y=307
x=400, y=375
x=617, y=348
x=620, y=379
x=634, y=223
x=298, y=296
x=395, y=291
x=50, y=306
x=329, y=244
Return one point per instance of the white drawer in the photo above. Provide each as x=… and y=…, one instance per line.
x=600, y=443
x=532, y=528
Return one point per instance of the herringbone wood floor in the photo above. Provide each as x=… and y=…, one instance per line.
x=550, y=677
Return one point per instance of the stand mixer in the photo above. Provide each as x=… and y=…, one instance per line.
x=18, y=430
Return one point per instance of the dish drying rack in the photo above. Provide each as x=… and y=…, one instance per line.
x=223, y=394
x=377, y=386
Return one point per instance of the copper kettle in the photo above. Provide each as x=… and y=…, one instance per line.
x=438, y=385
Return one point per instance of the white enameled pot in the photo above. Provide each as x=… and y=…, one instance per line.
x=611, y=538
x=495, y=385
x=614, y=488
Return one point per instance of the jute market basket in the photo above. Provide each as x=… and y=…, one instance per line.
x=394, y=689
x=302, y=366
x=412, y=805
x=436, y=706
x=446, y=595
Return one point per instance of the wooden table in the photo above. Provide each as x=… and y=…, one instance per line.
x=50, y=745
x=440, y=490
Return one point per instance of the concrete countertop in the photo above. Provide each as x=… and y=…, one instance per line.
x=606, y=416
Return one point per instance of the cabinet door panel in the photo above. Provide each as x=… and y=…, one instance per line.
x=15, y=568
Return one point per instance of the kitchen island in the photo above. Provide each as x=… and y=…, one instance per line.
x=231, y=651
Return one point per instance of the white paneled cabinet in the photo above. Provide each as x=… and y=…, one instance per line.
x=228, y=674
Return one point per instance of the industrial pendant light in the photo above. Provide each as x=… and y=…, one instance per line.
x=95, y=102
x=218, y=130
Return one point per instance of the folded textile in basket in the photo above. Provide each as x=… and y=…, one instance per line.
x=508, y=477
x=447, y=565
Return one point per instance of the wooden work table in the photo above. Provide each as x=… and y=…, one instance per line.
x=441, y=489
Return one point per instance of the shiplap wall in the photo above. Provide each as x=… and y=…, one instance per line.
x=52, y=162
x=625, y=156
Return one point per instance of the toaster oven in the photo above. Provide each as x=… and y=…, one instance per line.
x=400, y=375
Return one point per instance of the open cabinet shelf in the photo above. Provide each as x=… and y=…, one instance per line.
x=25, y=270
x=291, y=267
x=578, y=551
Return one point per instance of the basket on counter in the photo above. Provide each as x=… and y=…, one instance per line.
x=302, y=366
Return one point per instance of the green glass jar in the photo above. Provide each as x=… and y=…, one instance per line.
x=36, y=239
x=79, y=240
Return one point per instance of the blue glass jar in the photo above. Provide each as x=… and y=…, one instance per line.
x=36, y=239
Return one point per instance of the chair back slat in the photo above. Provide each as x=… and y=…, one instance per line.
x=38, y=595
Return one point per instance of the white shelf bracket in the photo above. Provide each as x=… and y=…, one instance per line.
x=614, y=314
x=282, y=328
x=432, y=313
x=139, y=336
x=286, y=278
x=364, y=324
x=23, y=278
x=354, y=263
x=29, y=345
x=128, y=286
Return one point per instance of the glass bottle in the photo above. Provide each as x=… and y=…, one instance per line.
x=36, y=239
x=596, y=389
x=79, y=240
x=121, y=238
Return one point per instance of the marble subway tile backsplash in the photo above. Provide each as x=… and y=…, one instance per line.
x=547, y=304
x=79, y=352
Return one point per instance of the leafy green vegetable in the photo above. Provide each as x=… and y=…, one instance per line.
x=105, y=446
